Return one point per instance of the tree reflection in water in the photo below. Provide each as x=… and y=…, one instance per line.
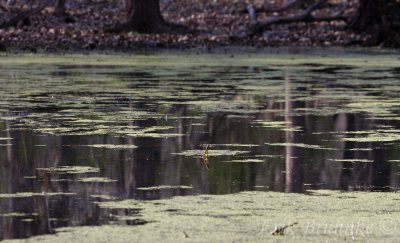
x=224, y=110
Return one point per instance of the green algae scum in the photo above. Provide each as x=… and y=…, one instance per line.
x=107, y=148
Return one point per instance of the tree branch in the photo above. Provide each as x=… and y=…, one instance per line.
x=305, y=16
x=23, y=16
x=289, y=4
x=4, y=6
x=252, y=14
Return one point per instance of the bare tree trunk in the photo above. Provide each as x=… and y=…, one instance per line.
x=129, y=8
x=59, y=8
x=381, y=19
x=367, y=14
x=60, y=11
x=144, y=16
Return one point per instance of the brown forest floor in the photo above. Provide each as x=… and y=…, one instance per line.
x=214, y=22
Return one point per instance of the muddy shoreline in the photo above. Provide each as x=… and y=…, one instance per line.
x=231, y=51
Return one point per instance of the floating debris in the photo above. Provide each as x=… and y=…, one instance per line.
x=113, y=146
x=211, y=153
x=272, y=124
x=18, y=214
x=272, y=156
x=300, y=145
x=233, y=145
x=96, y=180
x=245, y=161
x=360, y=149
x=353, y=160
x=154, y=135
x=104, y=197
x=70, y=169
x=163, y=187
x=6, y=144
x=61, y=180
x=27, y=220
x=32, y=194
x=374, y=137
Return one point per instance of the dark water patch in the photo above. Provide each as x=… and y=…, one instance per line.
x=378, y=78
x=395, y=70
x=84, y=67
x=331, y=69
x=313, y=64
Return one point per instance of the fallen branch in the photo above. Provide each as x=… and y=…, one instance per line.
x=290, y=4
x=23, y=16
x=287, y=6
x=305, y=16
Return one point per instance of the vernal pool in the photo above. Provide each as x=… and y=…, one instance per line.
x=110, y=140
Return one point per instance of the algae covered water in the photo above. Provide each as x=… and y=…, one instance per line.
x=80, y=131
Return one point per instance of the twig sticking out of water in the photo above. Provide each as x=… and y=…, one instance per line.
x=280, y=230
x=205, y=157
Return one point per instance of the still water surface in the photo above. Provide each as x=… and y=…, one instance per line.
x=90, y=129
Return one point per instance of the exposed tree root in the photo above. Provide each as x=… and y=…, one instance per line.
x=150, y=28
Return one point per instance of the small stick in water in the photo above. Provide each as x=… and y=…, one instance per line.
x=205, y=157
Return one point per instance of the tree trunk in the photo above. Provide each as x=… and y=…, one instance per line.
x=144, y=16
x=60, y=11
x=129, y=8
x=381, y=18
x=59, y=8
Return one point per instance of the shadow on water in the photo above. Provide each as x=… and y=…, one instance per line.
x=71, y=137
